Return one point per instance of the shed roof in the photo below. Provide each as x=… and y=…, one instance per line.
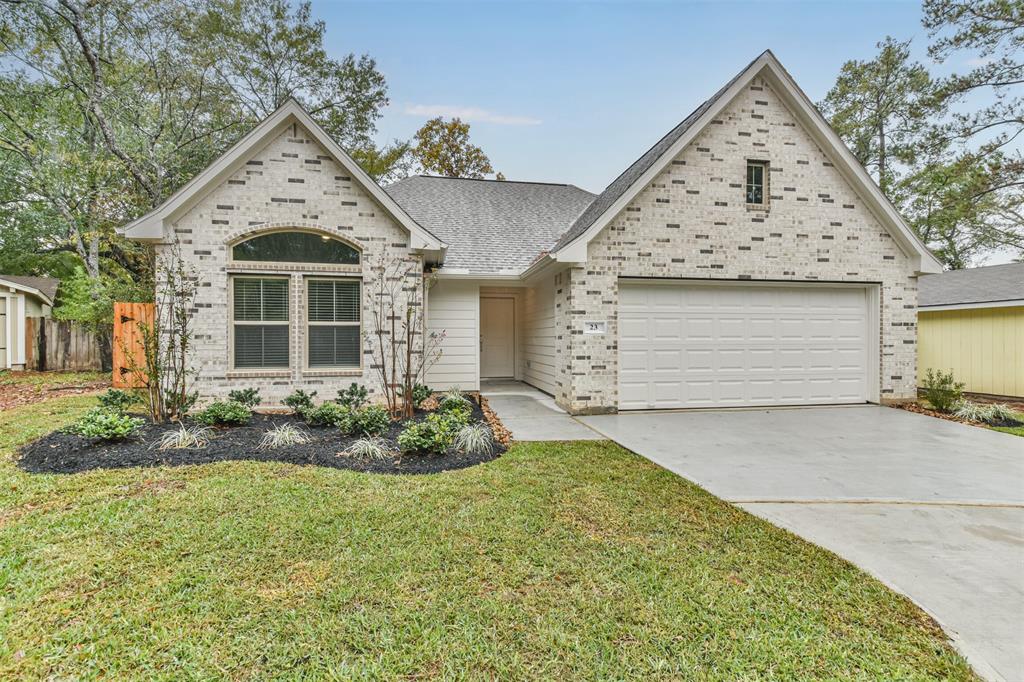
x=47, y=286
x=990, y=284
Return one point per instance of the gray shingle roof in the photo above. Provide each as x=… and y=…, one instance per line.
x=490, y=226
x=46, y=285
x=622, y=183
x=975, y=285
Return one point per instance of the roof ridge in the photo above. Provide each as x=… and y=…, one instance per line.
x=507, y=182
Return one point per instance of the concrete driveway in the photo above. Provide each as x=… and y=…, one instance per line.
x=932, y=508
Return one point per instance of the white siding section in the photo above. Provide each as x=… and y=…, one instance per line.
x=453, y=307
x=539, y=336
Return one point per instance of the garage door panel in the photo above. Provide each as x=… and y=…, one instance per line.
x=707, y=346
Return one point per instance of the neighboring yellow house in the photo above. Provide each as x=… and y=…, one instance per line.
x=972, y=322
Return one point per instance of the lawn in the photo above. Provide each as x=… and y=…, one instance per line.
x=570, y=561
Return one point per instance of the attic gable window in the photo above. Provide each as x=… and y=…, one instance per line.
x=756, y=181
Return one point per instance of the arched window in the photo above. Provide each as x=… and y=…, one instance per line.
x=296, y=247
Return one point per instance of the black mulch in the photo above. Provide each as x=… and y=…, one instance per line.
x=67, y=453
x=1007, y=422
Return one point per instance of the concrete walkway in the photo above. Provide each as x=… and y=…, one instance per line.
x=932, y=508
x=532, y=415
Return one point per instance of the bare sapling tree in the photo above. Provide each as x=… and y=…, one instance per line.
x=167, y=341
x=402, y=353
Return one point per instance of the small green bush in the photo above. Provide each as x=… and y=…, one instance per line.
x=250, y=397
x=942, y=391
x=433, y=435
x=372, y=420
x=353, y=397
x=102, y=423
x=325, y=414
x=460, y=408
x=117, y=400
x=299, y=401
x=420, y=392
x=225, y=413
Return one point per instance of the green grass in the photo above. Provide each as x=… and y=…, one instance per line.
x=50, y=379
x=568, y=561
x=1013, y=430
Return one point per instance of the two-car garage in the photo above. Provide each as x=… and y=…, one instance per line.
x=687, y=344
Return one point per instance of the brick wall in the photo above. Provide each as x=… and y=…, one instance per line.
x=292, y=182
x=692, y=221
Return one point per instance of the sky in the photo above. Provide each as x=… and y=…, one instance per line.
x=572, y=91
x=576, y=91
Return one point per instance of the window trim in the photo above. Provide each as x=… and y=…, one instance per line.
x=286, y=369
x=307, y=323
x=765, y=169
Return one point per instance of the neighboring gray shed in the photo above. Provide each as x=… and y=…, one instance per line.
x=21, y=297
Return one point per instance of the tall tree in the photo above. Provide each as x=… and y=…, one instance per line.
x=987, y=137
x=107, y=107
x=444, y=148
x=879, y=108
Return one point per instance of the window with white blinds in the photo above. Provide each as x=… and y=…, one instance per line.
x=260, y=322
x=333, y=316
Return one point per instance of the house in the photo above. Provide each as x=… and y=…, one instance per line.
x=971, y=322
x=745, y=259
x=21, y=297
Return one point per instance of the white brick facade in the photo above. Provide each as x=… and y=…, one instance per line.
x=693, y=222
x=290, y=183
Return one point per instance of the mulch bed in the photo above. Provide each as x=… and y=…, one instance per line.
x=921, y=409
x=66, y=453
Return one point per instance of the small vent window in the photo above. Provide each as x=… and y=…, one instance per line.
x=756, y=171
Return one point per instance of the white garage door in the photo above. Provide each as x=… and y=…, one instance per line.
x=700, y=345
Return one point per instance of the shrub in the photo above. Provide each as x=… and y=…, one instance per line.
x=420, y=392
x=117, y=400
x=476, y=439
x=185, y=437
x=368, y=448
x=299, y=401
x=224, y=413
x=942, y=391
x=101, y=423
x=372, y=420
x=432, y=435
x=980, y=412
x=325, y=414
x=283, y=435
x=454, y=394
x=353, y=397
x=1001, y=413
x=457, y=407
x=250, y=397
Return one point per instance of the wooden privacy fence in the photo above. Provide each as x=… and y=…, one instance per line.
x=60, y=345
x=129, y=344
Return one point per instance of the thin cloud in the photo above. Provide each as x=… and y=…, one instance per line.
x=472, y=114
x=979, y=61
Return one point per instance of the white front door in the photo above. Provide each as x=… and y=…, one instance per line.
x=706, y=345
x=497, y=338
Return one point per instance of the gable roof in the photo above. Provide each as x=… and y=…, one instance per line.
x=44, y=287
x=614, y=199
x=992, y=284
x=490, y=225
x=152, y=225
